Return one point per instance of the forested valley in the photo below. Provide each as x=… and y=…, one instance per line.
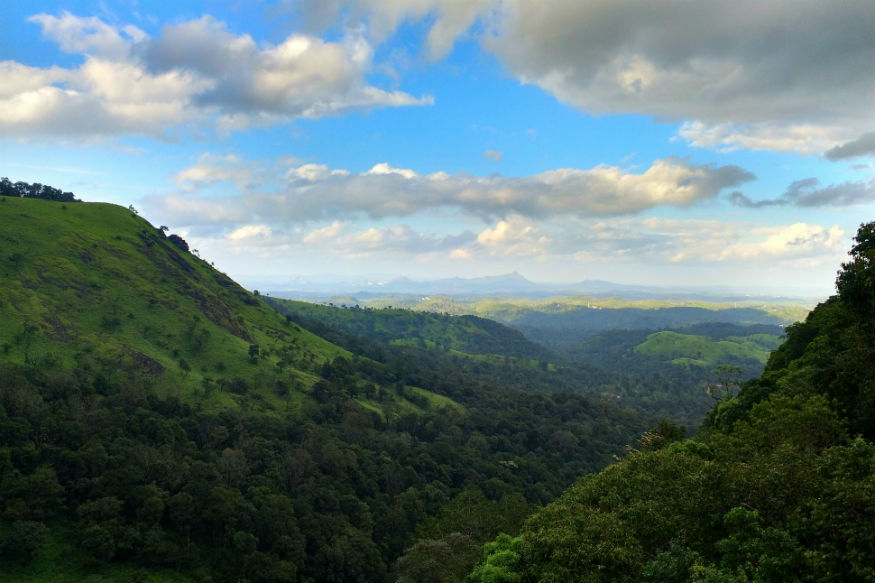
x=158, y=422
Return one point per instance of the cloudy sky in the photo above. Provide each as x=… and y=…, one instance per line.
x=667, y=143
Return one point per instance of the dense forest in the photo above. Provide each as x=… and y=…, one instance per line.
x=158, y=422
x=776, y=487
x=661, y=373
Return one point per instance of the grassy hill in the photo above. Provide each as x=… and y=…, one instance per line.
x=97, y=283
x=695, y=350
x=159, y=422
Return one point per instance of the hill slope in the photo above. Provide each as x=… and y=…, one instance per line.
x=463, y=334
x=95, y=282
x=158, y=422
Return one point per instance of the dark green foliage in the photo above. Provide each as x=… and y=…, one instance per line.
x=23, y=540
x=778, y=487
x=35, y=190
x=178, y=242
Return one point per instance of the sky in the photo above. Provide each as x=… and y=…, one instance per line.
x=670, y=143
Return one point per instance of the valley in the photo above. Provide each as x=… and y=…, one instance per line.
x=160, y=422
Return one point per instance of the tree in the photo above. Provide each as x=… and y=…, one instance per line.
x=501, y=561
x=178, y=242
x=23, y=541
x=856, y=279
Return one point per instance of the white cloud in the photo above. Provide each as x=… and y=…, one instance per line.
x=196, y=73
x=323, y=233
x=313, y=172
x=315, y=192
x=384, y=169
x=250, y=232
x=799, y=240
x=211, y=168
x=514, y=236
x=448, y=19
x=88, y=36
x=805, y=138
x=745, y=74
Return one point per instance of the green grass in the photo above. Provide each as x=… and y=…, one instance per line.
x=690, y=349
x=436, y=401
x=95, y=283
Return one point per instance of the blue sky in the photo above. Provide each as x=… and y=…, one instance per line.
x=666, y=143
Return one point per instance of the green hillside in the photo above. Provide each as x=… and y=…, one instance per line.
x=777, y=487
x=465, y=334
x=96, y=285
x=695, y=350
x=159, y=422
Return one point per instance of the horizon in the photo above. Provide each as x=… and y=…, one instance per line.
x=726, y=146
x=339, y=285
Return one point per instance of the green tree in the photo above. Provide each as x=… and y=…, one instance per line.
x=501, y=561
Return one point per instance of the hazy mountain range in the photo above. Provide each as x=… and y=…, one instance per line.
x=517, y=285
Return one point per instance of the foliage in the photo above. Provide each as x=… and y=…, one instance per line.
x=35, y=190
x=778, y=486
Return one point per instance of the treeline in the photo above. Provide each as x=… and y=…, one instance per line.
x=36, y=190
x=776, y=487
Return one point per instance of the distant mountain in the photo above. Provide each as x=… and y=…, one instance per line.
x=516, y=285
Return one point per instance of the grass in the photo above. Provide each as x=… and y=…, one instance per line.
x=94, y=283
x=691, y=349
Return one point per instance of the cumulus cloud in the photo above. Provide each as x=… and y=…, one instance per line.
x=315, y=192
x=89, y=36
x=806, y=193
x=862, y=146
x=796, y=240
x=250, y=232
x=351, y=241
x=514, y=236
x=211, y=168
x=784, y=76
x=195, y=72
x=767, y=70
x=448, y=19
